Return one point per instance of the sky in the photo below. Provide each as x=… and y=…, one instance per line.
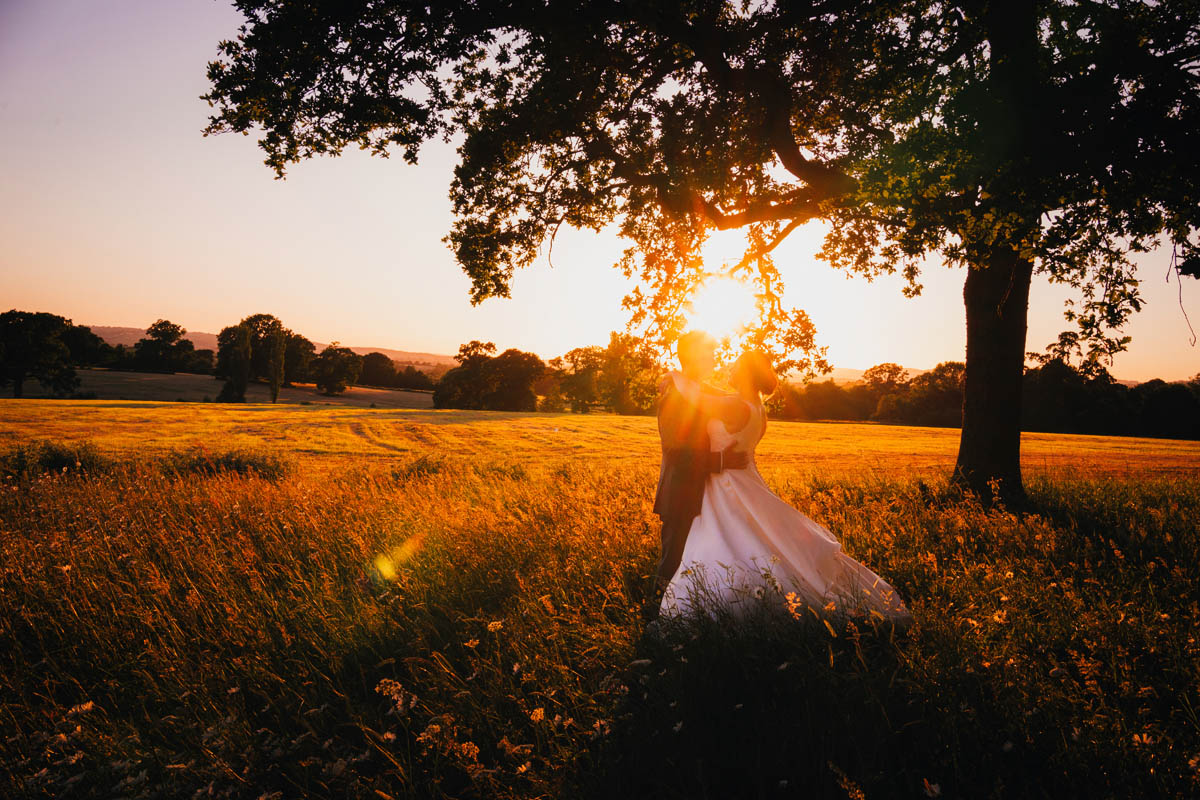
x=116, y=210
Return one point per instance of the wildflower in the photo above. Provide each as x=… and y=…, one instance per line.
x=931, y=789
x=494, y=626
x=403, y=700
x=758, y=593
x=678, y=726
x=472, y=643
x=538, y=714
x=1143, y=739
x=780, y=668
x=524, y=768
x=82, y=708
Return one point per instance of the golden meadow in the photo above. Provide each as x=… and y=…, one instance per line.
x=258, y=601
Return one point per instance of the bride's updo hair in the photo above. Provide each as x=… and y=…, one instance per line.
x=758, y=368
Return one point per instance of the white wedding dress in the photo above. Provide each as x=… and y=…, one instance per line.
x=749, y=546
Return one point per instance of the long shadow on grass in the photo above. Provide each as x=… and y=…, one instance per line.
x=774, y=707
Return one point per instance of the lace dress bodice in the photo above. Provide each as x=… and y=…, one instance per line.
x=745, y=440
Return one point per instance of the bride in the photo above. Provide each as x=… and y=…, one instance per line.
x=747, y=543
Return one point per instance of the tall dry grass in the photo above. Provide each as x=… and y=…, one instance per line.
x=445, y=627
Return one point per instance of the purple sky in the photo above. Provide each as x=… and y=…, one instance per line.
x=114, y=210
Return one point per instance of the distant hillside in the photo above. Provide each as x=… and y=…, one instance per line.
x=116, y=335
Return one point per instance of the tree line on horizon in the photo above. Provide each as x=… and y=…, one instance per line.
x=620, y=377
x=1056, y=397
x=46, y=348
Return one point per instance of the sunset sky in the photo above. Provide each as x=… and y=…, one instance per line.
x=115, y=210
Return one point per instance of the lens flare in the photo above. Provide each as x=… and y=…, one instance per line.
x=723, y=307
x=387, y=564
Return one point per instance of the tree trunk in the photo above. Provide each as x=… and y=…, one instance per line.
x=997, y=301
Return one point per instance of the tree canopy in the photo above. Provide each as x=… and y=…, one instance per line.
x=32, y=348
x=888, y=119
x=336, y=369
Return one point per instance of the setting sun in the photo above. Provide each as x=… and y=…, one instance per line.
x=723, y=307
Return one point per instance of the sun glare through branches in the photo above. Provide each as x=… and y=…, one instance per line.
x=723, y=307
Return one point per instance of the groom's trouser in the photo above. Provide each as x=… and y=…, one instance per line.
x=674, y=537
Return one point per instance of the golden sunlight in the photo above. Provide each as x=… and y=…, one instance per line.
x=723, y=307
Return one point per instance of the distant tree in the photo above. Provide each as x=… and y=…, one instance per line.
x=233, y=355
x=458, y=388
x=1058, y=398
x=786, y=402
x=336, y=368
x=32, y=348
x=826, y=400
x=261, y=327
x=297, y=358
x=276, y=345
x=412, y=378
x=121, y=357
x=1167, y=410
x=886, y=376
x=201, y=362
x=163, y=349
x=936, y=397
x=581, y=377
x=1053, y=396
x=483, y=381
x=511, y=376
x=377, y=370
x=86, y=348
x=629, y=375
x=466, y=385
x=474, y=351
x=549, y=388
x=882, y=380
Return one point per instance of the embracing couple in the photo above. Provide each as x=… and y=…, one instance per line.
x=726, y=537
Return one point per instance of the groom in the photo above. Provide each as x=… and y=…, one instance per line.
x=686, y=458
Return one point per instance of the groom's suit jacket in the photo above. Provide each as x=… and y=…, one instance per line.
x=683, y=429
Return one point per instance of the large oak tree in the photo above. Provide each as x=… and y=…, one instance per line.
x=1008, y=138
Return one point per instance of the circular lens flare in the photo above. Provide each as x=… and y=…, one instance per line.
x=723, y=307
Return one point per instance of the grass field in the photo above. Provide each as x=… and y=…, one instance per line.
x=338, y=436
x=155, y=386
x=264, y=601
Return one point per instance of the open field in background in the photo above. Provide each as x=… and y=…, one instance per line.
x=449, y=604
x=336, y=436
x=159, y=387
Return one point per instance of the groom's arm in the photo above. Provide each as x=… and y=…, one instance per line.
x=675, y=412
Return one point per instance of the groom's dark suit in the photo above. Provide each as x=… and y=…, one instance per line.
x=686, y=464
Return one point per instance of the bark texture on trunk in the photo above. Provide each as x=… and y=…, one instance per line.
x=997, y=304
